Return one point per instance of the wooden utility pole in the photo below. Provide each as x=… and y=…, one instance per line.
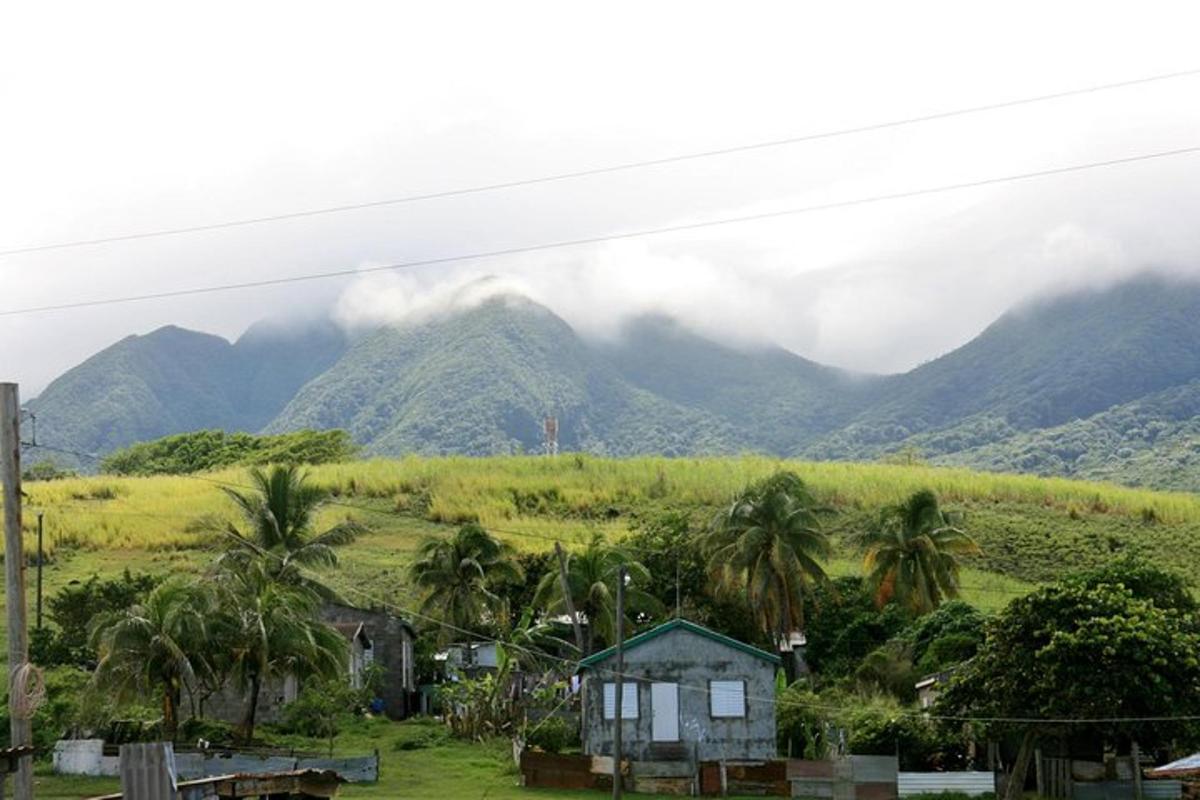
x=14, y=583
x=618, y=688
x=569, y=601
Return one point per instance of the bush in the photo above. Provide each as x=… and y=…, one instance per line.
x=206, y=450
x=553, y=735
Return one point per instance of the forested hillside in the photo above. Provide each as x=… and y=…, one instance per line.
x=1096, y=384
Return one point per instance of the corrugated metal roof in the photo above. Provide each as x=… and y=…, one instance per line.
x=674, y=624
x=1188, y=764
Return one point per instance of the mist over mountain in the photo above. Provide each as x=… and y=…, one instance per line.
x=1096, y=383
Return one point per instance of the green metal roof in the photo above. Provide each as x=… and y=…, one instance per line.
x=675, y=624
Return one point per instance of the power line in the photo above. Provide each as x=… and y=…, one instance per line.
x=607, y=169
x=533, y=248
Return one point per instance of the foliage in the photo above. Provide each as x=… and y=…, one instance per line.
x=889, y=670
x=912, y=554
x=149, y=647
x=459, y=577
x=592, y=580
x=318, y=709
x=72, y=610
x=1144, y=581
x=70, y=706
x=47, y=470
x=279, y=513
x=844, y=625
x=812, y=725
x=270, y=630
x=202, y=451
x=947, y=636
x=667, y=545
x=767, y=543
x=553, y=735
x=1076, y=651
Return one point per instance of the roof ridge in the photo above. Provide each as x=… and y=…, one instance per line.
x=674, y=624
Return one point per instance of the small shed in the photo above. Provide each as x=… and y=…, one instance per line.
x=689, y=693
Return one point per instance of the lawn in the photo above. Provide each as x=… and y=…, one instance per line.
x=416, y=761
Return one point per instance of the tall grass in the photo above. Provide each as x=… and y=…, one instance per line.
x=1031, y=528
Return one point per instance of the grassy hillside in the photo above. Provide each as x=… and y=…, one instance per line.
x=1031, y=529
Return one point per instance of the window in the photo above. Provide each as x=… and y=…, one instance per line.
x=727, y=698
x=629, y=701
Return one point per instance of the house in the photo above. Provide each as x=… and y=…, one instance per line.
x=929, y=687
x=468, y=659
x=374, y=637
x=391, y=648
x=690, y=694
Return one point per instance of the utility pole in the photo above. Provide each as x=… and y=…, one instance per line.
x=14, y=582
x=39, y=573
x=620, y=683
x=569, y=601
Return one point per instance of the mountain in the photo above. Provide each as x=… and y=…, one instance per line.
x=1039, y=366
x=174, y=380
x=481, y=381
x=772, y=397
x=1100, y=384
x=1152, y=441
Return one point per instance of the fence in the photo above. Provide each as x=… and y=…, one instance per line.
x=87, y=757
x=972, y=784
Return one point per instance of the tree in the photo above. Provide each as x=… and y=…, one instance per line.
x=280, y=515
x=767, y=543
x=912, y=555
x=668, y=546
x=272, y=631
x=150, y=646
x=945, y=637
x=460, y=576
x=74, y=608
x=1097, y=655
x=592, y=579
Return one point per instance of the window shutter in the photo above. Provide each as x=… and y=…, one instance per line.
x=727, y=698
x=629, y=701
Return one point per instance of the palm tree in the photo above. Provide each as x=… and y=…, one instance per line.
x=279, y=515
x=459, y=576
x=272, y=632
x=911, y=556
x=767, y=543
x=592, y=578
x=153, y=646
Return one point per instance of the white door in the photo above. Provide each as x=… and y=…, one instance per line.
x=664, y=706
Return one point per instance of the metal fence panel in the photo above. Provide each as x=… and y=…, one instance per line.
x=969, y=783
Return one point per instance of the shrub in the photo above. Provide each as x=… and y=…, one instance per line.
x=553, y=735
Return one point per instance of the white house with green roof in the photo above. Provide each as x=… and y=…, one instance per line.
x=690, y=693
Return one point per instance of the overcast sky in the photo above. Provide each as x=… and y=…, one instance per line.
x=118, y=117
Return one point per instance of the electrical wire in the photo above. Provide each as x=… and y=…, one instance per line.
x=610, y=168
x=609, y=237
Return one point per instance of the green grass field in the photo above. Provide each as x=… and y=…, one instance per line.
x=447, y=769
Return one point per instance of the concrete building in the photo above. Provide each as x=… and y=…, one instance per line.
x=391, y=647
x=690, y=694
x=374, y=637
